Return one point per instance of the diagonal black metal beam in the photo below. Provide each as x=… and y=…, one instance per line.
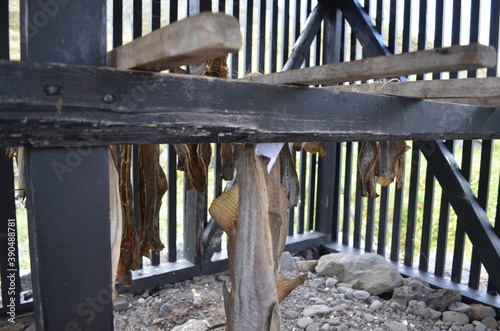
x=303, y=44
x=472, y=215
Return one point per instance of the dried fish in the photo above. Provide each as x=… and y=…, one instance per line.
x=367, y=166
x=391, y=161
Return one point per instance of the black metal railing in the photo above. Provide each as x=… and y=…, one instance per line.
x=411, y=225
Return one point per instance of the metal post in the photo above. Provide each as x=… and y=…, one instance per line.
x=68, y=189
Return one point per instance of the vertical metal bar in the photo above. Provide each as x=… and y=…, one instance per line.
x=442, y=237
x=482, y=198
x=474, y=30
x=307, y=62
x=273, y=56
x=392, y=44
x=117, y=23
x=172, y=204
x=397, y=220
x=458, y=251
x=491, y=289
x=222, y=6
x=370, y=220
x=286, y=32
x=494, y=31
x=382, y=222
x=137, y=19
x=347, y=194
x=174, y=11
x=425, y=242
x=248, y=37
x=358, y=210
x=302, y=177
x=155, y=14
x=4, y=30
x=422, y=29
x=262, y=36
x=407, y=27
x=455, y=28
x=296, y=24
x=235, y=56
x=312, y=192
x=412, y=206
x=327, y=201
x=438, y=32
x=68, y=189
x=378, y=16
x=217, y=172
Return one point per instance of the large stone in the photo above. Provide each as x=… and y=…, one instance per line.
x=395, y=326
x=192, y=325
x=287, y=263
x=437, y=299
x=477, y=312
x=453, y=316
x=373, y=272
x=316, y=310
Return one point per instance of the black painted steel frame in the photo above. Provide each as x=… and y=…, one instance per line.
x=324, y=213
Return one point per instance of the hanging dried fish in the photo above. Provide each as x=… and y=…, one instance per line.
x=367, y=168
x=391, y=161
x=193, y=158
x=227, y=161
x=130, y=257
x=152, y=187
x=311, y=147
x=254, y=213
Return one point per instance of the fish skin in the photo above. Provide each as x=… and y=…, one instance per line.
x=367, y=168
x=253, y=292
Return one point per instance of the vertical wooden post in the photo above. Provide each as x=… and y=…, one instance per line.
x=68, y=188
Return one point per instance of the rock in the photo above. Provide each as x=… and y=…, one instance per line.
x=287, y=263
x=141, y=301
x=197, y=299
x=207, y=280
x=290, y=314
x=304, y=322
x=316, y=310
x=479, y=326
x=420, y=309
x=459, y=307
x=313, y=326
x=453, y=316
x=361, y=295
x=325, y=327
x=344, y=289
x=317, y=282
x=368, y=317
x=349, y=267
x=342, y=327
x=477, y=312
x=305, y=266
x=25, y=279
x=191, y=325
x=334, y=321
x=490, y=322
x=30, y=328
x=121, y=303
x=376, y=304
x=435, y=299
x=395, y=326
x=331, y=282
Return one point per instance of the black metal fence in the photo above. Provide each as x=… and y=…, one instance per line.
x=413, y=226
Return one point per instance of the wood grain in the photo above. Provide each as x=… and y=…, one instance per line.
x=192, y=40
x=484, y=92
x=70, y=105
x=434, y=60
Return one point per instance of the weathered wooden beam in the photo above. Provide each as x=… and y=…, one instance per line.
x=483, y=92
x=68, y=105
x=434, y=60
x=194, y=39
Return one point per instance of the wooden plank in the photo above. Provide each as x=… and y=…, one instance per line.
x=66, y=105
x=431, y=89
x=192, y=40
x=484, y=92
x=435, y=60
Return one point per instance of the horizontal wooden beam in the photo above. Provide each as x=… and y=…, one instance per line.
x=69, y=105
x=434, y=60
x=483, y=92
x=194, y=39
